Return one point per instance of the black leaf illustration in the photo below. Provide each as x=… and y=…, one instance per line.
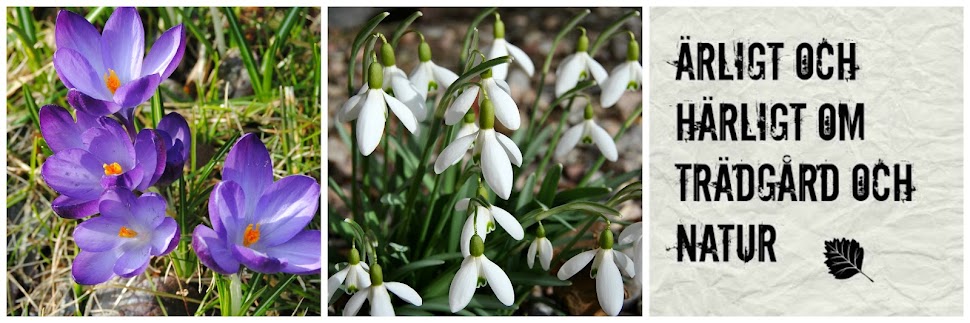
x=844, y=258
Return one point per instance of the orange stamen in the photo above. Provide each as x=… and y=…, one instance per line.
x=251, y=235
x=125, y=232
x=111, y=81
x=112, y=169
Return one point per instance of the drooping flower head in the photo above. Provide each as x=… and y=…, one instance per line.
x=540, y=247
x=587, y=132
x=477, y=271
x=497, y=91
x=108, y=72
x=369, y=108
x=633, y=235
x=124, y=238
x=354, y=277
x=607, y=264
x=256, y=222
x=397, y=84
x=577, y=67
x=626, y=76
x=380, y=299
x=483, y=220
x=177, y=137
x=501, y=47
x=428, y=76
x=468, y=125
x=93, y=156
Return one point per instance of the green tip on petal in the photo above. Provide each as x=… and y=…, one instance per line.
x=499, y=30
x=354, y=257
x=588, y=112
x=582, y=44
x=540, y=231
x=477, y=246
x=387, y=55
x=486, y=115
x=632, y=49
x=375, y=76
x=469, y=117
x=424, y=52
x=487, y=74
x=376, y=275
x=606, y=239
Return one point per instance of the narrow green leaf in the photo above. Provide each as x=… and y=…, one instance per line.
x=580, y=193
x=403, y=27
x=267, y=303
x=525, y=195
x=359, y=41
x=235, y=30
x=547, y=192
x=536, y=278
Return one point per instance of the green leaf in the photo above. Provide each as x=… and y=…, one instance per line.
x=589, y=208
x=549, y=185
x=403, y=27
x=359, y=41
x=610, y=31
x=580, y=193
x=525, y=195
x=267, y=303
x=400, y=271
x=235, y=30
x=536, y=278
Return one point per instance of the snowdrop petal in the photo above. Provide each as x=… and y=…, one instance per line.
x=463, y=285
x=503, y=85
x=508, y=222
x=498, y=280
x=545, y=253
x=453, y=153
x=615, y=85
x=594, y=67
x=380, y=302
x=355, y=302
x=467, y=129
x=460, y=106
x=402, y=113
x=351, y=109
x=567, y=75
x=334, y=282
x=630, y=233
x=603, y=140
x=575, y=264
x=421, y=78
x=405, y=292
x=410, y=96
x=467, y=231
x=443, y=76
x=505, y=109
x=521, y=58
x=531, y=254
x=370, y=123
x=495, y=166
x=609, y=287
x=515, y=155
x=569, y=140
x=624, y=263
x=499, y=49
x=462, y=204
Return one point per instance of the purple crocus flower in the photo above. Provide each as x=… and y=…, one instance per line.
x=109, y=72
x=93, y=156
x=177, y=137
x=123, y=239
x=256, y=222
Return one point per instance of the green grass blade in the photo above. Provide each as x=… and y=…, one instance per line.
x=282, y=35
x=235, y=30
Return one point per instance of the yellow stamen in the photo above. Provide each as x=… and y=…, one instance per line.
x=125, y=232
x=251, y=235
x=111, y=81
x=112, y=169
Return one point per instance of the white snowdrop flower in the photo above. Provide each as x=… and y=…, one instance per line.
x=354, y=277
x=633, y=234
x=506, y=111
x=380, y=299
x=607, y=264
x=428, y=76
x=541, y=247
x=397, y=84
x=483, y=220
x=626, y=76
x=468, y=126
x=589, y=133
x=369, y=108
x=496, y=153
x=477, y=271
x=577, y=67
x=501, y=47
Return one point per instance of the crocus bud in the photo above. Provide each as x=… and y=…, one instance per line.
x=387, y=55
x=632, y=49
x=376, y=275
x=606, y=239
x=354, y=257
x=588, y=112
x=486, y=115
x=582, y=44
x=424, y=52
x=499, y=30
x=375, y=76
x=477, y=247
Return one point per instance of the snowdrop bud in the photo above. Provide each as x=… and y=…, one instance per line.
x=469, y=117
x=588, y=113
x=477, y=247
x=486, y=115
x=387, y=55
x=376, y=275
x=375, y=76
x=354, y=257
x=632, y=49
x=541, y=231
x=582, y=44
x=499, y=30
x=606, y=239
x=424, y=52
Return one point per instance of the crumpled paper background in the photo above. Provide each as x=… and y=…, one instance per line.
x=911, y=83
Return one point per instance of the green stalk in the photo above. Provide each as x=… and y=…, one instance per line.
x=358, y=42
x=599, y=162
x=157, y=110
x=554, y=142
x=235, y=30
x=269, y=57
x=610, y=31
x=548, y=63
x=94, y=14
x=403, y=27
x=26, y=20
x=235, y=295
x=466, y=44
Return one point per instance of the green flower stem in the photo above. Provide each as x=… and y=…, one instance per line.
x=599, y=162
x=555, y=141
x=403, y=27
x=610, y=31
x=354, y=184
x=570, y=26
x=472, y=29
x=362, y=36
x=235, y=295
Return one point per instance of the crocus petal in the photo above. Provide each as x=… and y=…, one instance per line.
x=131, y=260
x=174, y=241
x=521, y=58
x=73, y=69
x=401, y=111
x=91, y=268
x=116, y=203
x=123, y=43
x=82, y=102
x=74, y=172
x=285, y=209
x=457, y=110
x=380, y=301
x=508, y=222
x=137, y=91
x=463, y=285
x=370, y=122
x=495, y=165
x=212, y=251
x=334, y=282
x=166, y=53
x=453, y=153
x=609, y=287
x=355, y=302
x=175, y=132
x=569, y=140
x=98, y=234
x=59, y=129
x=405, y=292
x=72, y=208
x=498, y=280
x=301, y=253
x=575, y=264
x=257, y=261
x=567, y=74
x=531, y=254
x=163, y=235
x=150, y=155
x=499, y=49
x=110, y=144
x=603, y=141
x=614, y=86
x=227, y=213
x=506, y=111
x=510, y=148
x=444, y=76
x=545, y=253
x=624, y=263
x=421, y=77
x=248, y=164
x=73, y=31
x=594, y=67
x=177, y=128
